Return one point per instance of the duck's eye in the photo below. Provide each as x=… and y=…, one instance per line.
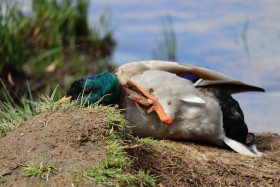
x=151, y=90
x=169, y=102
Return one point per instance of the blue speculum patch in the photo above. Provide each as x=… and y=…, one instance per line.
x=190, y=77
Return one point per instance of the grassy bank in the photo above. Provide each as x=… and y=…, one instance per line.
x=53, y=42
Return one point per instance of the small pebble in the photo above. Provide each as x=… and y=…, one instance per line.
x=77, y=117
x=21, y=134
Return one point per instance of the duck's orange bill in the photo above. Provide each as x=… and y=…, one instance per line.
x=150, y=101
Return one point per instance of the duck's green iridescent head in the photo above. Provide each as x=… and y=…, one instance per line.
x=91, y=89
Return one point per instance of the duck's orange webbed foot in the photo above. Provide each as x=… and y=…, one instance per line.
x=147, y=99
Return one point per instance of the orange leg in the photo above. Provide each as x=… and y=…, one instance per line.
x=137, y=97
x=167, y=119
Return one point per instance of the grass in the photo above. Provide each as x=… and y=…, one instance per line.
x=115, y=170
x=116, y=154
x=245, y=37
x=116, y=121
x=24, y=36
x=146, y=179
x=2, y=179
x=104, y=175
x=167, y=144
x=12, y=27
x=12, y=114
x=42, y=170
x=46, y=103
x=167, y=47
x=158, y=144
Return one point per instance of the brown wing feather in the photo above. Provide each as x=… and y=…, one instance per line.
x=126, y=71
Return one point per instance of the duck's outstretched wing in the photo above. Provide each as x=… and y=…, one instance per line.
x=210, y=77
x=126, y=71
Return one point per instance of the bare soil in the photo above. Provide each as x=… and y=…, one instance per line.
x=75, y=138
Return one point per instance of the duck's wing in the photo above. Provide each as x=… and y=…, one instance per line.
x=232, y=86
x=126, y=71
x=210, y=77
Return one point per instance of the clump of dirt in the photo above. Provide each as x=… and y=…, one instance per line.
x=75, y=138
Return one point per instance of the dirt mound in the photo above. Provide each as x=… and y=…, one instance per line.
x=75, y=137
x=194, y=164
x=72, y=137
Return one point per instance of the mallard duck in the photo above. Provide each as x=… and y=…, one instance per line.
x=170, y=100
